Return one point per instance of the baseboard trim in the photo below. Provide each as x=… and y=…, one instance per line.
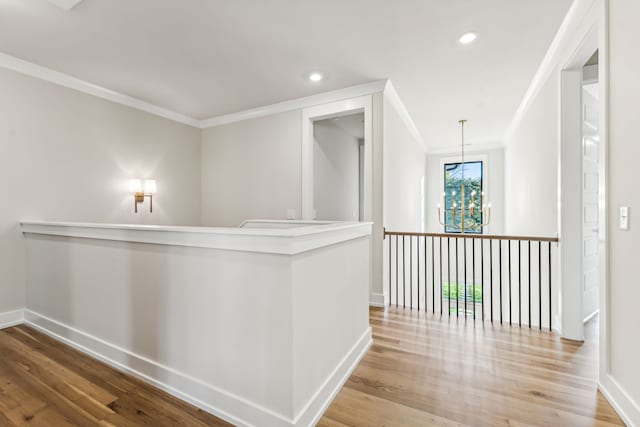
x=197, y=392
x=622, y=403
x=312, y=412
x=165, y=378
x=11, y=318
x=376, y=300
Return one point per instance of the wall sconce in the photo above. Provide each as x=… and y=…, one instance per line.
x=139, y=193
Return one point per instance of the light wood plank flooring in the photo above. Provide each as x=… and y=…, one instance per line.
x=46, y=383
x=422, y=370
x=426, y=370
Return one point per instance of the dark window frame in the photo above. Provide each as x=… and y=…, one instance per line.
x=479, y=230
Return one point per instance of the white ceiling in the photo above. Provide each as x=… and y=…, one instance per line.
x=205, y=58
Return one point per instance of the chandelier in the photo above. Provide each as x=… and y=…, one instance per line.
x=463, y=215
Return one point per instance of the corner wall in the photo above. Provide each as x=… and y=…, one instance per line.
x=624, y=152
x=67, y=156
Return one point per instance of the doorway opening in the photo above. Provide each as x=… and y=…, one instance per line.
x=338, y=168
x=590, y=188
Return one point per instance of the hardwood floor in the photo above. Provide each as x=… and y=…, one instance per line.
x=46, y=383
x=424, y=370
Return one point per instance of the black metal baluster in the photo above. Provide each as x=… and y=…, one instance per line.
x=396, y=270
x=404, y=277
x=540, y=285
x=418, y=269
x=411, y=272
x=482, y=275
x=449, y=277
x=519, y=284
x=457, y=281
x=491, y=277
x=500, y=271
x=529, y=282
x=473, y=277
x=426, y=307
x=441, y=278
x=550, y=286
x=509, y=252
x=464, y=289
x=389, y=270
x=433, y=273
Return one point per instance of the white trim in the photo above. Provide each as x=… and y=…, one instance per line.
x=319, y=112
x=290, y=241
x=11, y=318
x=47, y=74
x=33, y=70
x=296, y=104
x=197, y=392
x=394, y=99
x=316, y=406
x=577, y=13
x=622, y=403
x=376, y=300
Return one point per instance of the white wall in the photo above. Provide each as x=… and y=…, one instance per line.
x=493, y=170
x=336, y=172
x=252, y=169
x=67, y=156
x=624, y=152
x=403, y=173
x=531, y=166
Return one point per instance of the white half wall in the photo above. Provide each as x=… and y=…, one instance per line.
x=66, y=155
x=252, y=169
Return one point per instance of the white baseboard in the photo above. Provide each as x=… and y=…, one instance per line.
x=622, y=403
x=318, y=404
x=376, y=300
x=11, y=318
x=197, y=392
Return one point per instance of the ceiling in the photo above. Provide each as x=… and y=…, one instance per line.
x=205, y=58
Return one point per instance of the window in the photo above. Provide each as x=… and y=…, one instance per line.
x=453, y=173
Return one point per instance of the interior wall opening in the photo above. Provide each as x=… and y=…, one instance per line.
x=338, y=168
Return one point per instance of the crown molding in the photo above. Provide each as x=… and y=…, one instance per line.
x=43, y=73
x=575, y=18
x=297, y=104
x=392, y=95
x=37, y=71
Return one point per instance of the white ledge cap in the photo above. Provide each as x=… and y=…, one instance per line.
x=271, y=237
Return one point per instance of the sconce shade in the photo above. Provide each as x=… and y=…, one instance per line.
x=149, y=186
x=135, y=186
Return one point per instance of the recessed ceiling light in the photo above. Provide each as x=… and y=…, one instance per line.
x=467, y=38
x=315, y=77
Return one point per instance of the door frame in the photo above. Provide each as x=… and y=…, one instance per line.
x=570, y=182
x=336, y=109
